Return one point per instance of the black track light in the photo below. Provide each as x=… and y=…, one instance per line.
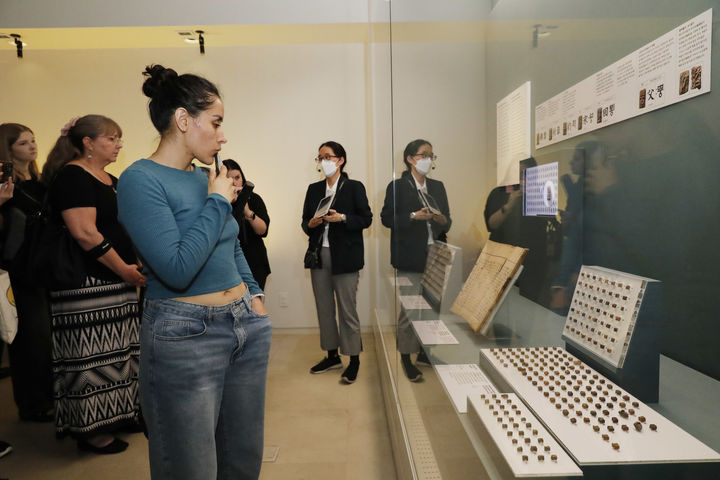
x=18, y=44
x=201, y=41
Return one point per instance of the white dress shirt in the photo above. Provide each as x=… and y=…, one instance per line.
x=328, y=191
x=423, y=189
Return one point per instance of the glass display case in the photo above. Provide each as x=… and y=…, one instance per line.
x=629, y=200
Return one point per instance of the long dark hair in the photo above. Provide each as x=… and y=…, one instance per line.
x=9, y=134
x=169, y=91
x=70, y=146
x=412, y=149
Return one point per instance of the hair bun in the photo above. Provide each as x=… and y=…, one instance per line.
x=157, y=75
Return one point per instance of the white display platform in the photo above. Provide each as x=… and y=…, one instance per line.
x=597, y=422
x=525, y=444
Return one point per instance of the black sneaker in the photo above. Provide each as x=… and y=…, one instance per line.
x=350, y=373
x=422, y=359
x=411, y=371
x=327, y=364
x=5, y=448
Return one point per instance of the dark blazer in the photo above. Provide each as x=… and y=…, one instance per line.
x=252, y=244
x=345, y=238
x=408, y=238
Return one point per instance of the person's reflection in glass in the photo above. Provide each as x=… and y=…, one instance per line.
x=596, y=212
x=589, y=152
x=503, y=209
x=612, y=210
x=506, y=223
x=416, y=211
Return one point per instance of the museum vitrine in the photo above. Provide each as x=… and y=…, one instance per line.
x=580, y=134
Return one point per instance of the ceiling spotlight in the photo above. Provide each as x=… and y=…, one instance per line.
x=19, y=44
x=201, y=41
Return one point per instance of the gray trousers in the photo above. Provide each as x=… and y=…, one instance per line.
x=327, y=288
x=407, y=341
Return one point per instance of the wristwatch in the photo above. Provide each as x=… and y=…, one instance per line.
x=344, y=217
x=412, y=215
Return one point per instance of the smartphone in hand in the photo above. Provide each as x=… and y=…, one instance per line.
x=218, y=164
x=7, y=171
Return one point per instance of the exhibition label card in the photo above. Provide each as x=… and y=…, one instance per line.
x=668, y=70
x=414, y=302
x=434, y=332
x=400, y=281
x=462, y=380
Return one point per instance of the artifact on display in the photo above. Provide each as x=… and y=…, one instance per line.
x=527, y=447
x=597, y=422
x=603, y=312
x=489, y=281
x=437, y=270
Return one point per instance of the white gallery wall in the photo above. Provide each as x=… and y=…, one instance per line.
x=282, y=100
x=281, y=103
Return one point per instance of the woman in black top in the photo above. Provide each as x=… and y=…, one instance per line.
x=253, y=220
x=94, y=325
x=30, y=351
x=339, y=233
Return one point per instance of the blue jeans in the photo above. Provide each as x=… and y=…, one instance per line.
x=202, y=388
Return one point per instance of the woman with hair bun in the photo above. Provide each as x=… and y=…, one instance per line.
x=205, y=336
x=95, y=325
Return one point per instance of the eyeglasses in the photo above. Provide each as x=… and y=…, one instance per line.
x=326, y=157
x=115, y=139
x=425, y=155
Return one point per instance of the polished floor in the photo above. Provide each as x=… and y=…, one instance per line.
x=321, y=428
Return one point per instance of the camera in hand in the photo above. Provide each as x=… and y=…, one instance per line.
x=244, y=194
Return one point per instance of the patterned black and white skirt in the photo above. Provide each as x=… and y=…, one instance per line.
x=95, y=354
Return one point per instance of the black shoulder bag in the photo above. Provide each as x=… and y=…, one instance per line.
x=49, y=256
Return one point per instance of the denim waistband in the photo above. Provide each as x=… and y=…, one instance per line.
x=195, y=309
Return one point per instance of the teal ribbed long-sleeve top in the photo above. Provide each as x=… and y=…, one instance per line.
x=186, y=238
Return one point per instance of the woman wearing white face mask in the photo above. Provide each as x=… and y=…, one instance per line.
x=339, y=235
x=413, y=228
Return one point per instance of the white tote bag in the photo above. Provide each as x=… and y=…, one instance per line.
x=8, y=313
